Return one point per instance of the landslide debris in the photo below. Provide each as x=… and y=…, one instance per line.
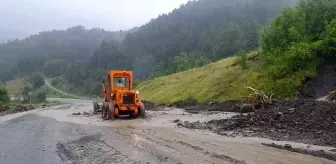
x=149, y=105
x=192, y=106
x=303, y=120
x=316, y=153
x=10, y=109
x=86, y=114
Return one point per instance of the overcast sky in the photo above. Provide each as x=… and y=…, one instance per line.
x=23, y=17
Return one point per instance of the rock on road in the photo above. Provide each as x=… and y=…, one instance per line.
x=55, y=136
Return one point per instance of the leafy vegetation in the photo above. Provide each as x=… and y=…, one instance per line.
x=32, y=84
x=296, y=44
x=180, y=63
x=242, y=59
x=36, y=80
x=3, y=96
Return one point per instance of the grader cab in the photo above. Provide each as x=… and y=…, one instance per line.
x=119, y=97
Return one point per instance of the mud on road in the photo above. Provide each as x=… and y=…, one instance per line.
x=56, y=136
x=301, y=120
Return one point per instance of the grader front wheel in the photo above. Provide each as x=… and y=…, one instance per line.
x=142, y=112
x=95, y=107
x=111, y=110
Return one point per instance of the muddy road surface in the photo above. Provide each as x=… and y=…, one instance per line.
x=54, y=135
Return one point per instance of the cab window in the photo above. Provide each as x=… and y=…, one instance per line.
x=121, y=82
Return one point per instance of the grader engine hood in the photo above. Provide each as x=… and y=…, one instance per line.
x=127, y=97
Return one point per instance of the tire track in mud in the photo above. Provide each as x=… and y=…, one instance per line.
x=146, y=146
x=205, y=152
x=316, y=153
x=163, y=142
x=196, y=148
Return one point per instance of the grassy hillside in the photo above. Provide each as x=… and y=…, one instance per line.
x=219, y=81
x=15, y=87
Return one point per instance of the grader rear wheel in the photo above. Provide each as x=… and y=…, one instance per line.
x=95, y=107
x=104, y=110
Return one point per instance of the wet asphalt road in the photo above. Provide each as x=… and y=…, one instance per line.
x=53, y=136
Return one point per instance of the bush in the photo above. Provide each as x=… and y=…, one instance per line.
x=40, y=97
x=296, y=43
x=57, y=81
x=37, y=80
x=3, y=96
x=242, y=59
x=27, y=88
x=330, y=38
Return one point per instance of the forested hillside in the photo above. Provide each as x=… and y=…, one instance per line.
x=206, y=30
x=197, y=33
x=51, y=52
x=193, y=35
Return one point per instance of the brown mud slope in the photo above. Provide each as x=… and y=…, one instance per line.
x=302, y=120
x=321, y=85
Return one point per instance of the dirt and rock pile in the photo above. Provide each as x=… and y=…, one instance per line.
x=302, y=120
x=149, y=105
x=86, y=114
x=192, y=106
x=10, y=109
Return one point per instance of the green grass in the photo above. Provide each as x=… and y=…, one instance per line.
x=219, y=81
x=63, y=86
x=15, y=87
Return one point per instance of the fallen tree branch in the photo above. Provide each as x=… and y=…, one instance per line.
x=331, y=96
x=259, y=97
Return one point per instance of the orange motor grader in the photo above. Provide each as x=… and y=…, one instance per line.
x=119, y=97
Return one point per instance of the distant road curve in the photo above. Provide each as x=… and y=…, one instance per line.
x=46, y=82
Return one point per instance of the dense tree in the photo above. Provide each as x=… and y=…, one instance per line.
x=45, y=50
x=242, y=59
x=54, y=67
x=37, y=80
x=27, y=88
